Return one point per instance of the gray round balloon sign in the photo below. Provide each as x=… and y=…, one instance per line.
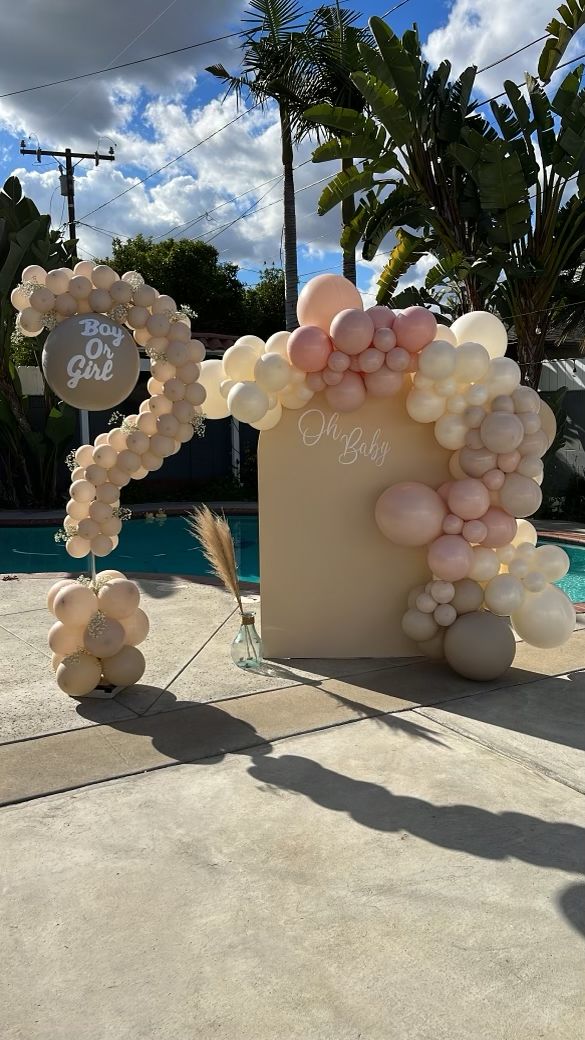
x=90, y=362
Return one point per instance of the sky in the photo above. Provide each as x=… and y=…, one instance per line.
x=154, y=111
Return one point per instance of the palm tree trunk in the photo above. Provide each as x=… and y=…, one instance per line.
x=291, y=278
x=347, y=215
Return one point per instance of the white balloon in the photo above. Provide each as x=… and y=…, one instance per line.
x=239, y=362
x=485, y=564
x=444, y=333
x=504, y=594
x=503, y=376
x=247, y=402
x=272, y=373
x=271, y=419
x=211, y=377
x=277, y=344
x=424, y=406
x=450, y=432
x=553, y=561
x=482, y=327
x=472, y=362
x=437, y=360
x=546, y=618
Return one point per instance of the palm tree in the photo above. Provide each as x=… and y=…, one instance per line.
x=271, y=64
x=331, y=45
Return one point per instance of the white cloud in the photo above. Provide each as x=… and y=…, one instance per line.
x=49, y=41
x=479, y=33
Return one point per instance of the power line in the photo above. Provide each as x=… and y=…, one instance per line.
x=114, y=68
x=170, y=163
x=563, y=65
x=512, y=54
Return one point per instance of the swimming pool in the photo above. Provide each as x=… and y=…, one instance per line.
x=146, y=547
x=151, y=547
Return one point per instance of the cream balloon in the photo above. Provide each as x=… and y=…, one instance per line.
x=57, y=588
x=272, y=373
x=78, y=676
x=485, y=564
x=75, y=604
x=239, y=362
x=278, y=344
x=270, y=420
x=504, y=594
x=136, y=627
x=546, y=619
x=553, y=561
x=482, y=327
x=119, y=598
x=247, y=402
x=211, y=376
x=124, y=668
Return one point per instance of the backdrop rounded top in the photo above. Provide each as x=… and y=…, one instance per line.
x=90, y=362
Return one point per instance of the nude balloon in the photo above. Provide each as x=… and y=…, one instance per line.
x=382, y=317
x=348, y=395
x=501, y=432
x=414, y=328
x=410, y=514
x=309, y=348
x=352, y=331
x=383, y=383
x=520, y=496
x=450, y=557
x=323, y=297
x=482, y=327
x=468, y=498
x=501, y=527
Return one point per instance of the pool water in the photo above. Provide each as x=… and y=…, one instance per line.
x=151, y=547
x=144, y=547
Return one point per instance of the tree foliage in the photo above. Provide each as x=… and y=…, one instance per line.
x=29, y=457
x=491, y=202
x=264, y=304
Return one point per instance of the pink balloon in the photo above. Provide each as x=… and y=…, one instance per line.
x=315, y=381
x=414, y=328
x=410, y=514
x=338, y=361
x=371, y=359
x=323, y=297
x=398, y=360
x=443, y=490
x=354, y=364
x=309, y=348
x=383, y=383
x=494, y=479
x=476, y=461
x=352, y=331
x=452, y=524
x=331, y=378
x=382, y=317
x=468, y=498
x=349, y=395
x=501, y=528
x=384, y=339
x=475, y=531
x=450, y=557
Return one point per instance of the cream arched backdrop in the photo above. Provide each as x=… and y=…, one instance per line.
x=481, y=560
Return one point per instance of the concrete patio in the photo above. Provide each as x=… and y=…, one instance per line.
x=330, y=850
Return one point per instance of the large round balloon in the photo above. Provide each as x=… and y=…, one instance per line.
x=482, y=327
x=90, y=362
x=410, y=514
x=480, y=646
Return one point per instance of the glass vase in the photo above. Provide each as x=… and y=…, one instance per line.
x=247, y=646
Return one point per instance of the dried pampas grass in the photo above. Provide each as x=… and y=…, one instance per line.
x=217, y=543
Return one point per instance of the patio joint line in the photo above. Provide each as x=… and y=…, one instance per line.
x=530, y=767
x=25, y=641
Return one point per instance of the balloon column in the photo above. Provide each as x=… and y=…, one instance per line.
x=92, y=362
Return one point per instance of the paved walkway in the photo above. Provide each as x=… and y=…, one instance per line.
x=329, y=851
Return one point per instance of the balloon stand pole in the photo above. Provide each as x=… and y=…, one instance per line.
x=92, y=566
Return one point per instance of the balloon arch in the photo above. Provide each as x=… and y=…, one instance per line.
x=483, y=564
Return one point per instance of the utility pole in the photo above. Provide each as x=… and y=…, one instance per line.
x=67, y=178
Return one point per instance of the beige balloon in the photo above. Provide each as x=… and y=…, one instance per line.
x=90, y=362
x=480, y=646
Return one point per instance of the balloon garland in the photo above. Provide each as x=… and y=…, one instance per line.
x=483, y=561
